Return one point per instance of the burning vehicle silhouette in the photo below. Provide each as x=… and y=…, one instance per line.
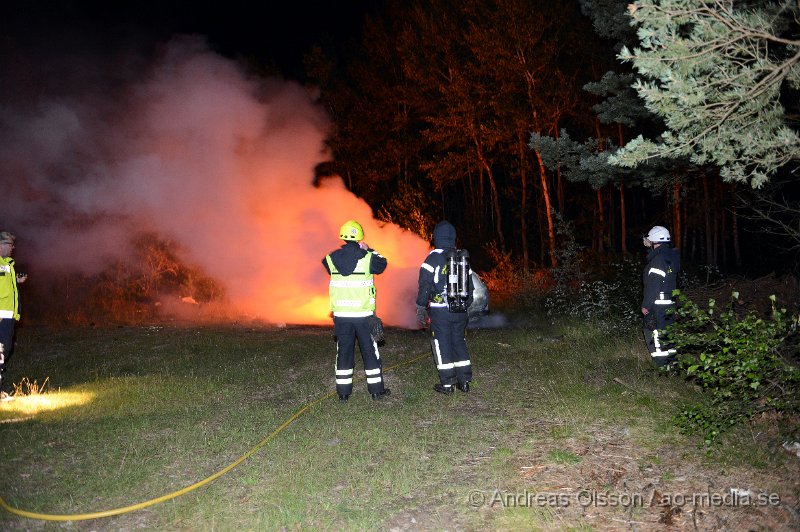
x=480, y=299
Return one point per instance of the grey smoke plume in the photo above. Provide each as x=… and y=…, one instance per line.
x=188, y=146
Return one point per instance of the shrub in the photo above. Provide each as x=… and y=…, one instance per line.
x=125, y=292
x=739, y=361
x=611, y=303
x=590, y=287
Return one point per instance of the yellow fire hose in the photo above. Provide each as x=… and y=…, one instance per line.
x=187, y=489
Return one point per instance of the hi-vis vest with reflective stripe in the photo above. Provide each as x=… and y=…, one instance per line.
x=9, y=297
x=352, y=295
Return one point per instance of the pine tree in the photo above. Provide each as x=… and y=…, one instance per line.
x=715, y=71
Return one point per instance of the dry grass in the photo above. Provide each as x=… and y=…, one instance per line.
x=553, y=410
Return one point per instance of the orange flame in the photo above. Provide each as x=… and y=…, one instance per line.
x=295, y=289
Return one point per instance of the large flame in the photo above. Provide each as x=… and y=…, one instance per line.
x=293, y=287
x=200, y=153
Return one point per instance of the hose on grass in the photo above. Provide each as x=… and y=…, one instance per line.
x=127, y=509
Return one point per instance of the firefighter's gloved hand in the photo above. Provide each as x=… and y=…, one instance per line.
x=422, y=316
x=377, y=333
x=650, y=321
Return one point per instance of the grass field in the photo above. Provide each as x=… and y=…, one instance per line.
x=564, y=428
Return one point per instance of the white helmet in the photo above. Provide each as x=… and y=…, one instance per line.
x=658, y=234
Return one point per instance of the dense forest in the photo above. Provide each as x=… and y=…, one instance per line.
x=553, y=135
x=501, y=117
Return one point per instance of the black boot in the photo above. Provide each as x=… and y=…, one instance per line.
x=344, y=397
x=441, y=388
x=463, y=386
x=386, y=392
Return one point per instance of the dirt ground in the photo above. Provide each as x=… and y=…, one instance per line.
x=608, y=480
x=753, y=294
x=617, y=485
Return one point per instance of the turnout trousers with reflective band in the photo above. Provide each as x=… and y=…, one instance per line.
x=347, y=330
x=660, y=352
x=449, y=345
x=659, y=280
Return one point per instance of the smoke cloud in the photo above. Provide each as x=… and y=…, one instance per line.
x=188, y=146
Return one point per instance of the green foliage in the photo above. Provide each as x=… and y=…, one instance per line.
x=606, y=295
x=611, y=303
x=714, y=72
x=737, y=360
x=622, y=105
x=609, y=18
x=577, y=161
x=589, y=162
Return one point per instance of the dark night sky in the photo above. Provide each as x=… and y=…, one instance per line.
x=272, y=34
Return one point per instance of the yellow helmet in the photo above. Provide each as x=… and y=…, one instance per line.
x=351, y=230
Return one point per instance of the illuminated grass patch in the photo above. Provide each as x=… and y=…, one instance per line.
x=27, y=406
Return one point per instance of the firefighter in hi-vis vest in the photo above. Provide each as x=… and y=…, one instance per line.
x=659, y=279
x=9, y=304
x=352, y=297
x=444, y=295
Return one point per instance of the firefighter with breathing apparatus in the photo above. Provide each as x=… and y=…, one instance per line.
x=444, y=295
x=659, y=279
x=352, y=300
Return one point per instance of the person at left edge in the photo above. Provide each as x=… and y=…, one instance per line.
x=9, y=303
x=352, y=300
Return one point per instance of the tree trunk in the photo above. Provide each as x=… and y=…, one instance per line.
x=481, y=199
x=723, y=237
x=623, y=223
x=551, y=234
x=685, y=233
x=612, y=226
x=522, y=154
x=474, y=201
x=676, y=213
x=715, y=218
x=601, y=235
x=707, y=214
x=735, y=230
x=540, y=223
x=559, y=182
x=498, y=222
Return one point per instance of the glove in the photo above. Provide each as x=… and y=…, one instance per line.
x=377, y=333
x=422, y=316
x=650, y=321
